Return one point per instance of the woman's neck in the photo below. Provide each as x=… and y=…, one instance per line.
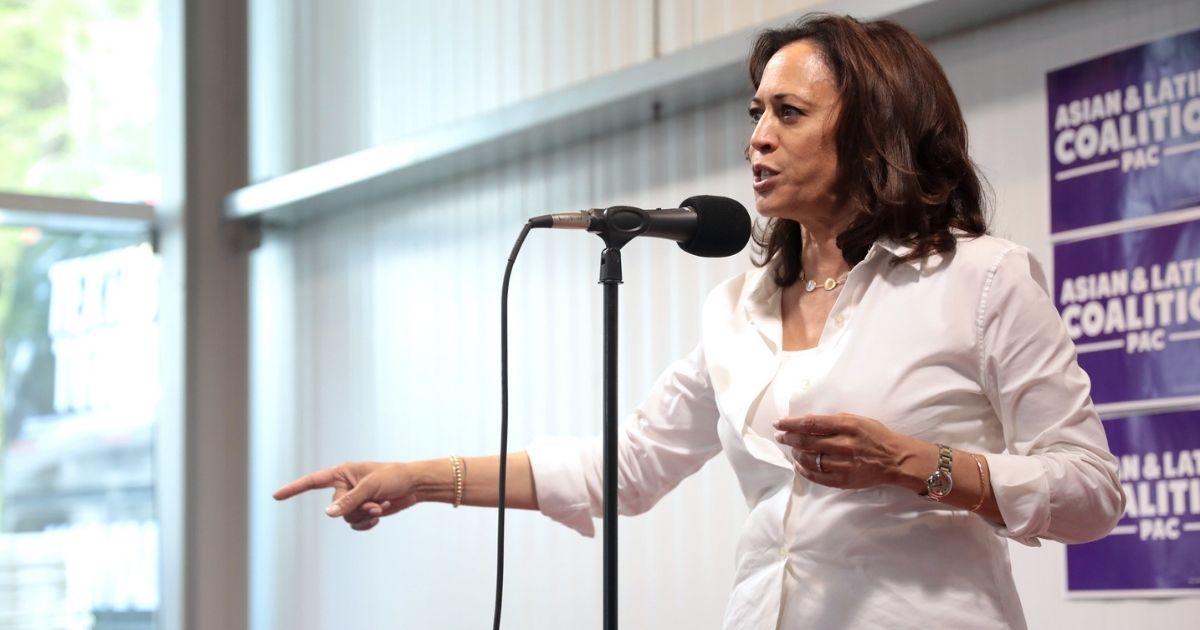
x=820, y=256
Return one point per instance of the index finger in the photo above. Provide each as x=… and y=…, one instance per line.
x=810, y=425
x=312, y=481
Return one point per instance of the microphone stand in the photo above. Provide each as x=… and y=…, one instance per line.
x=610, y=277
x=728, y=226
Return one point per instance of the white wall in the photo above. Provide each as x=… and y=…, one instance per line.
x=331, y=78
x=375, y=329
x=394, y=353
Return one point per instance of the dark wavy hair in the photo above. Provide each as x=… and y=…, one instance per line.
x=901, y=143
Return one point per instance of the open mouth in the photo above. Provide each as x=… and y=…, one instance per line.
x=763, y=177
x=762, y=172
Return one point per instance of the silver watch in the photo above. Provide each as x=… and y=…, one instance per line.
x=939, y=484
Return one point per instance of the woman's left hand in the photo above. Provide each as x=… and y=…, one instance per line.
x=853, y=451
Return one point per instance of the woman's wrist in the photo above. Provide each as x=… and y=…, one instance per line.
x=972, y=477
x=433, y=480
x=916, y=461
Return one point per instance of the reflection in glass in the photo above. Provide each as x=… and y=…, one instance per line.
x=79, y=375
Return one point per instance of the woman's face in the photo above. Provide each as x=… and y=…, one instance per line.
x=792, y=151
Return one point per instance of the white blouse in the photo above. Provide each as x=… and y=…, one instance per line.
x=965, y=350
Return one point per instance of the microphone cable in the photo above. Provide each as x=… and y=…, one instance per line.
x=512, y=258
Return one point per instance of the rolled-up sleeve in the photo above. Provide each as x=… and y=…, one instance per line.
x=668, y=437
x=1057, y=479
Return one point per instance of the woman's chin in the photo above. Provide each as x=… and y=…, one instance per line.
x=769, y=210
x=764, y=207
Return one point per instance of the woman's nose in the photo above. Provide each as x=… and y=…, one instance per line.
x=763, y=138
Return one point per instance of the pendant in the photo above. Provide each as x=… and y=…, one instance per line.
x=829, y=284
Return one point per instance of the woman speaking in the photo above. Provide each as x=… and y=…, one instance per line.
x=892, y=386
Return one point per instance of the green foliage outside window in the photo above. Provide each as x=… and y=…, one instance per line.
x=78, y=100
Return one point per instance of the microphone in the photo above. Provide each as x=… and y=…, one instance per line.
x=704, y=225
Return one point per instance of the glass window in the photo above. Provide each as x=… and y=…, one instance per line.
x=79, y=98
x=80, y=95
x=79, y=376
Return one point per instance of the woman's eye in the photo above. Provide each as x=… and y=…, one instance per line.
x=755, y=114
x=787, y=111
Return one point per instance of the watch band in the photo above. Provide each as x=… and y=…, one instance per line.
x=939, y=483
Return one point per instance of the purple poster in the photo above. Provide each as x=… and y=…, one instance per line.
x=1131, y=303
x=1155, y=549
x=1125, y=134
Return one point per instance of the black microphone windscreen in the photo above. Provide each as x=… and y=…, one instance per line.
x=722, y=226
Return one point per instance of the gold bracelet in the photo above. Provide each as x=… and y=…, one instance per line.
x=457, y=463
x=983, y=486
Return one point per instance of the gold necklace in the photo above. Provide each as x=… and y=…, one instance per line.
x=829, y=284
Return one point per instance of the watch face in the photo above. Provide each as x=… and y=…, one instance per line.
x=939, y=484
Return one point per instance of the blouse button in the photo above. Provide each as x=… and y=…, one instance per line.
x=783, y=552
x=804, y=385
x=839, y=319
